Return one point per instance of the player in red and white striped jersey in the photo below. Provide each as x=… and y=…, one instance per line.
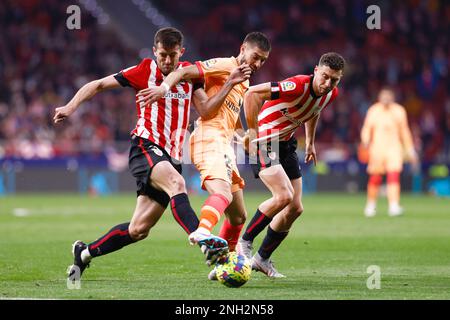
x=155, y=146
x=288, y=104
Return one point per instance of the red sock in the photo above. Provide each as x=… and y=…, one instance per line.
x=230, y=233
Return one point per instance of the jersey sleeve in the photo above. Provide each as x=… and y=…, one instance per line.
x=288, y=88
x=136, y=76
x=213, y=67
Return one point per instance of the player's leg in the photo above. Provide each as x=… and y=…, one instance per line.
x=277, y=231
x=394, y=167
x=393, y=193
x=375, y=170
x=277, y=181
x=145, y=216
x=236, y=214
x=165, y=177
x=219, y=199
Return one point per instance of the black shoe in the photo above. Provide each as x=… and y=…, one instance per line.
x=76, y=270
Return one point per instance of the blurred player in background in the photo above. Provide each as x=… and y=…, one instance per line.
x=274, y=110
x=156, y=144
x=211, y=149
x=387, y=138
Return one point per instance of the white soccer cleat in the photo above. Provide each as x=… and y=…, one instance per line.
x=370, y=211
x=265, y=266
x=245, y=248
x=395, y=210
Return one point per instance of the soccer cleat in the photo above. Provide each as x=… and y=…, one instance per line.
x=77, y=247
x=265, y=266
x=213, y=275
x=370, y=211
x=395, y=210
x=245, y=248
x=212, y=247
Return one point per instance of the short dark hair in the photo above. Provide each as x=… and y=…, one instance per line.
x=169, y=37
x=259, y=39
x=333, y=60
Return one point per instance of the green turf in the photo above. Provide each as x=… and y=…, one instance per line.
x=325, y=256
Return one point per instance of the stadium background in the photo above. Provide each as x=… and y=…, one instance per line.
x=53, y=178
x=43, y=63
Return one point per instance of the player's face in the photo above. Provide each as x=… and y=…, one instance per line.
x=386, y=97
x=253, y=56
x=167, y=58
x=325, y=79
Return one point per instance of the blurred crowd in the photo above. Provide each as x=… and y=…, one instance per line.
x=42, y=64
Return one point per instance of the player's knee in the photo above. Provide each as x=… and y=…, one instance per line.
x=176, y=183
x=238, y=219
x=138, y=232
x=283, y=198
x=295, y=210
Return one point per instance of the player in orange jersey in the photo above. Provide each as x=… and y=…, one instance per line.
x=211, y=150
x=386, y=136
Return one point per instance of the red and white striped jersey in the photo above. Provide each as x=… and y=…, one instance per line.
x=165, y=121
x=293, y=103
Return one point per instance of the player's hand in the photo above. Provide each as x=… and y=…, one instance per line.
x=62, y=113
x=310, y=153
x=240, y=74
x=151, y=94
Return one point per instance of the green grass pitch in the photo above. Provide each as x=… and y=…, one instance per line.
x=325, y=256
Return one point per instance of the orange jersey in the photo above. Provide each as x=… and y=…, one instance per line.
x=387, y=134
x=386, y=129
x=215, y=73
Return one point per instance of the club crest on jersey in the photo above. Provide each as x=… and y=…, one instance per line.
x=210, y=62
x=156, y=151
x=287, y=86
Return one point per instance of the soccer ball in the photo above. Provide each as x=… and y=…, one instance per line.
x=234, y=271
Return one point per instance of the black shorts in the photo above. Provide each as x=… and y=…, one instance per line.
x=144, y=155
x=285, y=154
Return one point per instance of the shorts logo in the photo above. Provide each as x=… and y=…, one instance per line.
x=210, y=62
x=156, y=151
x=287, y=86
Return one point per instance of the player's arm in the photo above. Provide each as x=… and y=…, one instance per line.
x=154, y=93
x=85, y=93
x=207, y=107
x=310, y=132
x=366, y=130
x=406, y=138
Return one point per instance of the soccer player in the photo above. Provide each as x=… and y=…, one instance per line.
x=156, y=144
x=274, y=110
x=386, y=136
x=211, y=149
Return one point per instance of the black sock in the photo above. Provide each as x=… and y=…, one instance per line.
x=115, y=239
x=183, y=212
x=256, y=225
x=271, y=242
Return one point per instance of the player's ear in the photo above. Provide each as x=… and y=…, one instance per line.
x=182, y=51
x=154, y=51
x=243, y=46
